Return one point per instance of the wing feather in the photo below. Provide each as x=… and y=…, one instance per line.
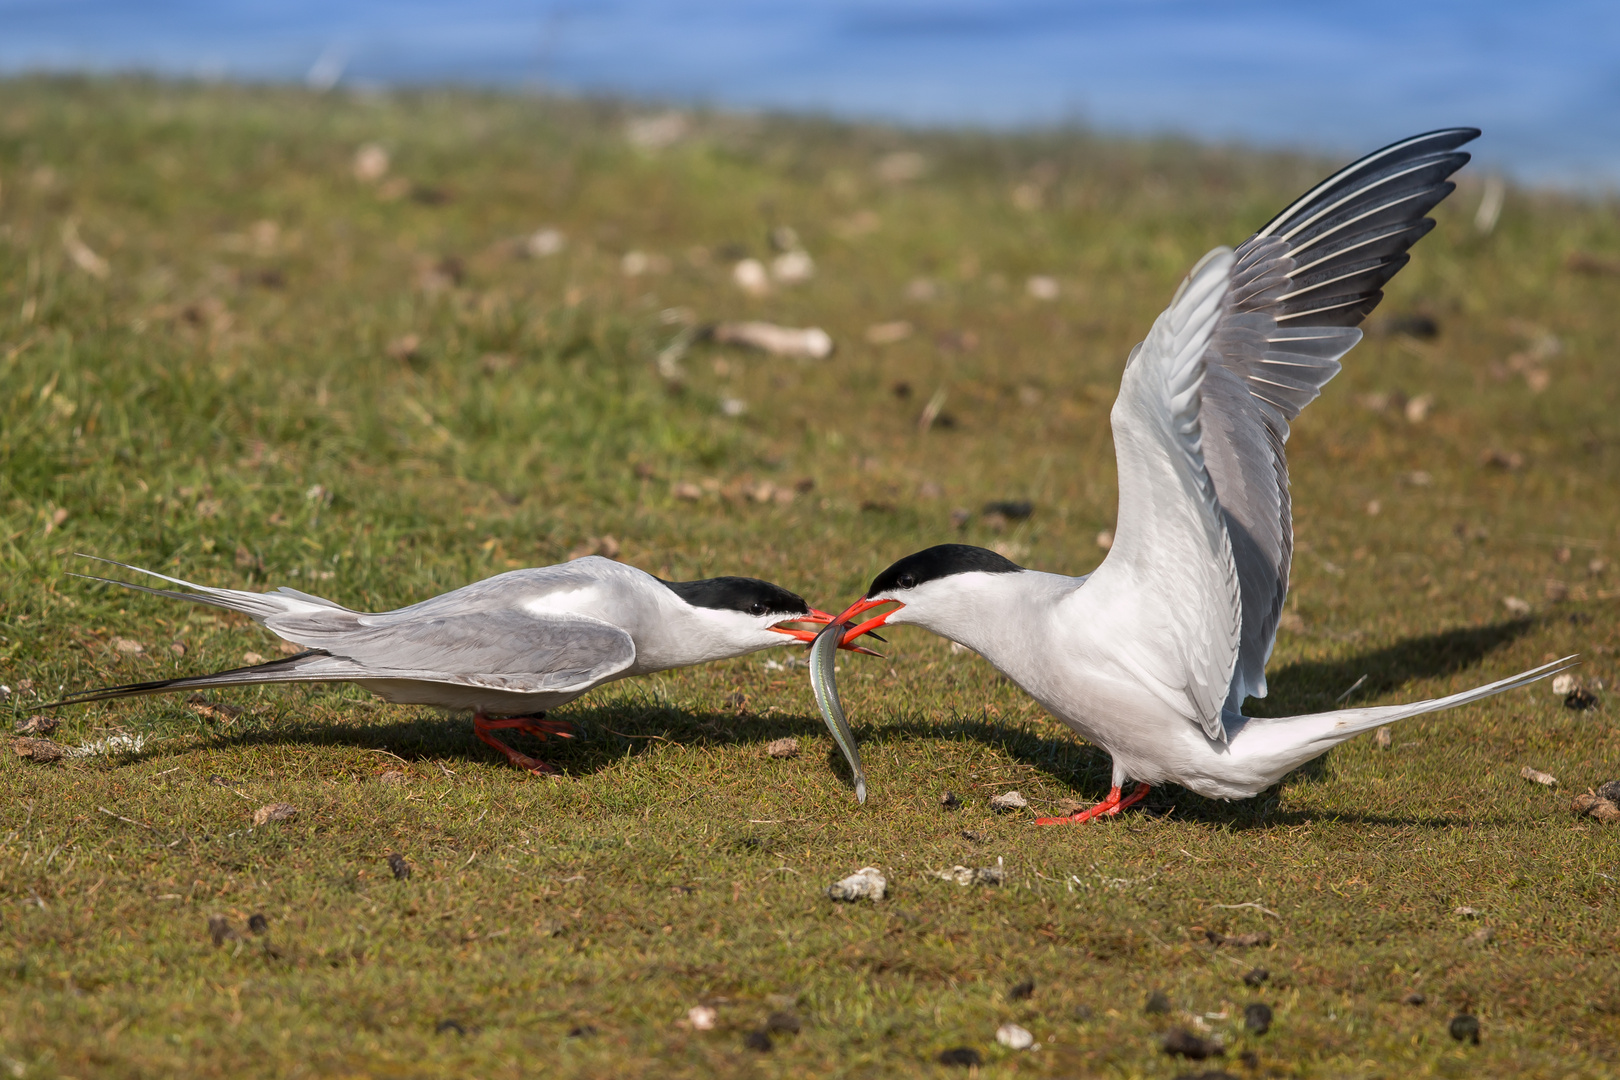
x=1171, y=554
x=487, y=635
x=1299, y=287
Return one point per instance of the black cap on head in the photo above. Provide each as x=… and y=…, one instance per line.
x=750, y=596
x=937, y=562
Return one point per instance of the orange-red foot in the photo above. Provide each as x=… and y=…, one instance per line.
x=1107, y=808
x=529, y=725
x=538, y=726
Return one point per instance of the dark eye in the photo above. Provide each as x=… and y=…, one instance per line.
x=757, y=609
x=907, y=581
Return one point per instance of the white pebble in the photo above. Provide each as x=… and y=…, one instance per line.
x=370, y=163
x=1539, y=777
x=750, y=276
x=545, y=242
x=1014, y=1037
x=793, y=267
x=1042, y=287
x=867, y=883
x=1008, y=801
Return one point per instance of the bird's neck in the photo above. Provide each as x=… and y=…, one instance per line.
x=1005, y=618
x=680, y=635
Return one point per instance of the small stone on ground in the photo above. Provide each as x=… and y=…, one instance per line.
x=39, y=751
x=1007, y=802
x=965, y=1056
x=276, y=811
x=867, y=883
x=1183, y=1043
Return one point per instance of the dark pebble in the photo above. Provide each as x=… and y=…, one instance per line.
x=1414, y=998
x=972, y=837
x=1157, y=1004
x=949, y=801
x=1015, y=510
x=219, y=781
x=450, y=1025
x=258, y=923
x=901, y=390
x=1580, y=699
x=397, y=863
x=221, y=930
x=581, y=1031
x=1250, y=1059
x=1413, y=324
x=961, y=1055
x=1465, y=1028
x=750, y=844
x=1183, y=1043
x=1083, y=1013
x=1610, y=791
x=758, y=1040
x=1256, y=977
x=1257, y=1017
x=1022, y=991
x=783, y=1022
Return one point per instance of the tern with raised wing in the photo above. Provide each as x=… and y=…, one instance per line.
x=1152, y=655
x=508, y=648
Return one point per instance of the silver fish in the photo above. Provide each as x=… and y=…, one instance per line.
x=823, y=655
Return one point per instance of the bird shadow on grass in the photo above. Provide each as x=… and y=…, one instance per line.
x=634, y=723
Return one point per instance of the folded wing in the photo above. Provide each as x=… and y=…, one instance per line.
x=480, y=636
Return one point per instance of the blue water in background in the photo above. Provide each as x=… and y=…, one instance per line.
x=1543, y=79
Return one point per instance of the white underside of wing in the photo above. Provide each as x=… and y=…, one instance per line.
x=1164, y=607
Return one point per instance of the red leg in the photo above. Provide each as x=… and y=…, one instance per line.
x=1107, y=808
x=538, y=726
x=482, y=726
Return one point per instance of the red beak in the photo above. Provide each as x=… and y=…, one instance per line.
x=854, y=612
x=807, y=636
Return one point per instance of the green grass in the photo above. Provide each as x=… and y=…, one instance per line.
x=223, y=404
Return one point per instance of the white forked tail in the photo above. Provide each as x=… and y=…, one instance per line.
x=1267, y=748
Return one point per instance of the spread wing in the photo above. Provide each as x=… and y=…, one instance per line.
x=1169, y=580
x=1298, y=288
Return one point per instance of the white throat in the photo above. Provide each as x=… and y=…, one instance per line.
x=1002, y=617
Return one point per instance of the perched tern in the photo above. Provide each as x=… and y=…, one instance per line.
x=1151, y=655
x=509, y=647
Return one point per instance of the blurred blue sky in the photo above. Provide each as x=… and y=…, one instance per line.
x=1542, y=79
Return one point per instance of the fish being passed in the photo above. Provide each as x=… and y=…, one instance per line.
x=824, y=681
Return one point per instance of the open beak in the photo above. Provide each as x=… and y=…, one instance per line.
x=819, y=618
x=856, y=629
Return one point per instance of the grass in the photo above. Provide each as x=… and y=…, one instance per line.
x=201, y=370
